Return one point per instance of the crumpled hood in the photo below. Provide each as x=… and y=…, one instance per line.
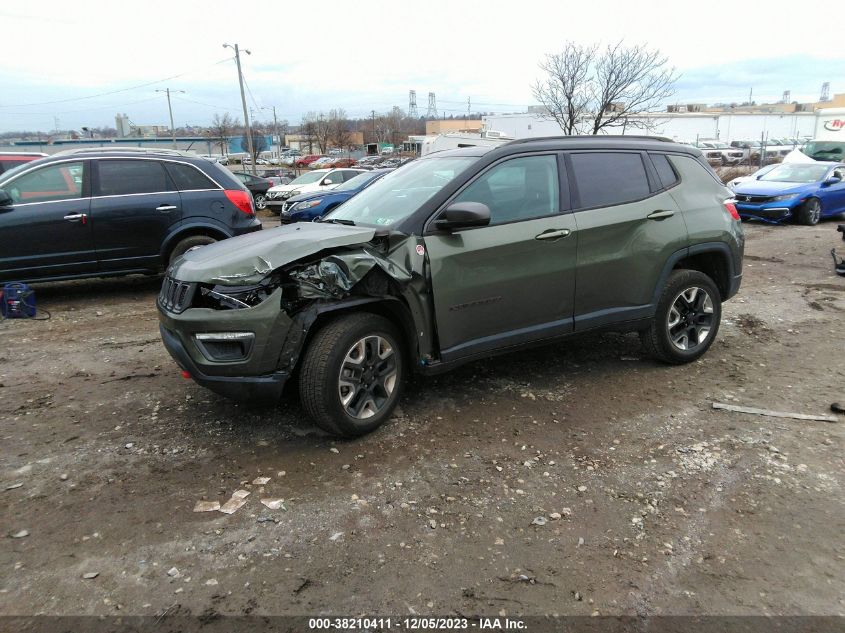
x=247, y=259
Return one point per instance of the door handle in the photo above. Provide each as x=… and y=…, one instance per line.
x=166, y=207
x=553, y=234
x=659, y=215
x=76, y=217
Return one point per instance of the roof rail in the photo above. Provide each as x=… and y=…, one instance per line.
x=129, y=150
x=593, y=137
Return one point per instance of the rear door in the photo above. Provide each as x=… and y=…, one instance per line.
x=135, y=203
x=46, y=232
x=512, y=281
x=628, y=226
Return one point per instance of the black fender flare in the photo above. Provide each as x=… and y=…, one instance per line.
x=720, y=248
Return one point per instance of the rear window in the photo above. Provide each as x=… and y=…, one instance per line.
x=188, y=177
x=123, y=177
x=609, y=178
x=667, y=175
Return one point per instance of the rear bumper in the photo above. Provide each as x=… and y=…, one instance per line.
x=265, y=388
x=254, y=225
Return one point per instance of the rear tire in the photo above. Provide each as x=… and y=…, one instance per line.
x=352, y=373
x=687, y=320
x=187, y=244
x=260, y=201
x=810, y=212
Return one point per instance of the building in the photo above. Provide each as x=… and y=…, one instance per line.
x=442, y=126
x=679, y=126
x=121, y=124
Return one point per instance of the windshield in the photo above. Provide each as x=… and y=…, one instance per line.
x=824, y=150
x=310, y=177
x=795, y=172
x=358, y=181
x=398, y=194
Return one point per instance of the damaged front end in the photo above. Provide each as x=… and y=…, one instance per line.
x=245, y=322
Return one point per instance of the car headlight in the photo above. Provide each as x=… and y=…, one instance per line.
x=308, y=204
x=786, y=196
x=233, y=297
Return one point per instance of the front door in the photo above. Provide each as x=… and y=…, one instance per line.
x=512, y=281
x=46, y=232
x=134, y=205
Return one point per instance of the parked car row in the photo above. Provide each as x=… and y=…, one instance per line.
x=316, y=180
x=307, y=207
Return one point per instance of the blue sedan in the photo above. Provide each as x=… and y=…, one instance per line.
x=308, y=207
x=806, y=192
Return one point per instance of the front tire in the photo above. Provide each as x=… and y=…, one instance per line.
x=260, y=201
x=352, y=374
x=810, y=212
x=687, y=320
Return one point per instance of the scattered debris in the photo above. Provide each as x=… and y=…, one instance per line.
x=432, y=524
x=773, y=414
x=90, y=575
x=541, y=521
x=555, y=516
x=274, y=504
x=211, y=581
x=207, y=506
x=335, y=536
x=582, y=488
x=236, y=502
x=63, y=477
x=20, y=534
x=567, y=512
x=173, y=572
x=260, y=481
x=334, y=450
x=580, y=541
x=13, y=486
x=835, y=407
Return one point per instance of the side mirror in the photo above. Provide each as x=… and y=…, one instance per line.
x=6, y=202
x=461, y=215
x=832, y=180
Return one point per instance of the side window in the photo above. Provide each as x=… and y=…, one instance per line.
x=608, y=178
x=348, y=175
x=517, y=189
x=665, y=172
x=122, y=177
x=333, y=178
x=53, y=182
x=187, y=177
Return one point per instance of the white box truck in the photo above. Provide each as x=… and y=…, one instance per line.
x=828, y=141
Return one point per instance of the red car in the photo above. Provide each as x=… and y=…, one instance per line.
x=304, y=161
x=342, y=162
x=8, y=160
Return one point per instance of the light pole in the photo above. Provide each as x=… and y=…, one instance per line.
x=170, y=110
x=243, y=103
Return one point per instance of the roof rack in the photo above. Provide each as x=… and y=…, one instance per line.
x=129, y=150
x=593, y=137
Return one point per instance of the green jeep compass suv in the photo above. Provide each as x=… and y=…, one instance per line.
x=456, y=256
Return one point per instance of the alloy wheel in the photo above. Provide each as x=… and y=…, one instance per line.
x=260, y=201
x=367, y=377
x=690, y=318
x=815, y=210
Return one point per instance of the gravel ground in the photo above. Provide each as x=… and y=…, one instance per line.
x=580, y=478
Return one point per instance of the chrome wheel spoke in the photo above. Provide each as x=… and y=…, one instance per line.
x=690, y=319
x=368, y=377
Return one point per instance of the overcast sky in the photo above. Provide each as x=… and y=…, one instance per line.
x=62, y=55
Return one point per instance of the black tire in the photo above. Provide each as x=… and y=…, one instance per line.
x=186, y=244
x=810, y=212
x=666, y=342
x=321, y=389
x=260, y=200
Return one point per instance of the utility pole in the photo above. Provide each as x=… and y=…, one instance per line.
x=375, y=137
x=243, y=103
x=276, y=132
x=170, y=110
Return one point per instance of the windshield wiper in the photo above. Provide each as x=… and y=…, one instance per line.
x=340, y=221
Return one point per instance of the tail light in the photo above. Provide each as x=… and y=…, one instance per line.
x=241, y=199
x=730, y=207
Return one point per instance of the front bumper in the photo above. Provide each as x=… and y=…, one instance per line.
x=768, y=211
x=254, y=377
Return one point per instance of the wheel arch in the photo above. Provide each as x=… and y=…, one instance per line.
x=714, y=259
x=190, y=231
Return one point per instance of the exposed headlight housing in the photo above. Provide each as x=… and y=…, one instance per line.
x=786, y=196
x=233, y=297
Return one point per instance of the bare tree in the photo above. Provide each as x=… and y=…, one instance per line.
x=587, y=91
x=221, y=128
x=339, y=129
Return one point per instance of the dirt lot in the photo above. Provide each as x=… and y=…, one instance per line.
x=663, y=506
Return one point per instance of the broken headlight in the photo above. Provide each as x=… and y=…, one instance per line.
x=233, y=297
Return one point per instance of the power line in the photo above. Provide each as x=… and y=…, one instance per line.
x=111, y=92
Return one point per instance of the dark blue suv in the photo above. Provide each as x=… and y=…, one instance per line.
x=100, y=212
x=307, y=207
